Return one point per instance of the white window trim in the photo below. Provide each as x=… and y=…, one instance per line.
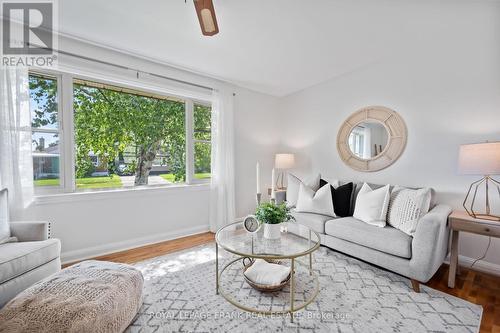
x=67, y=175
x=127, y=192
x=68, y=134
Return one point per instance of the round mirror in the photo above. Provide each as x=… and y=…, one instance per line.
x=372, y=138
x=368, y=139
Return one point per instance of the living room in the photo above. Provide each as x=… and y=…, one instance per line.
x=215, y=165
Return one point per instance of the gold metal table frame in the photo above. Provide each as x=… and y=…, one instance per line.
x=293, y=260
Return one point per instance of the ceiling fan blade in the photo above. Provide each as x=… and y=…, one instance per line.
x=206, y=15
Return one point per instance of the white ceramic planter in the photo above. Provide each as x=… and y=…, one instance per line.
x=272, y=231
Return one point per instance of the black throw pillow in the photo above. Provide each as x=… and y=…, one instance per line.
x=341, y=197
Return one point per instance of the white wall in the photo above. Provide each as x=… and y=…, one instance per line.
x=90, y=224
x=256, y=139
x=446, y=88
x=93, y=224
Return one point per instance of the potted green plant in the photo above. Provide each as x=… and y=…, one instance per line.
x=271, y=215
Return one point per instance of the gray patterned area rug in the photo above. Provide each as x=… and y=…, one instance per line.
x=179, y=296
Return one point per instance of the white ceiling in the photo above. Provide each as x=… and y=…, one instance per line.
x=272, y=46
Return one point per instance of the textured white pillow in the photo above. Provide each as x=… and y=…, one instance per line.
x=407, y=206
x=371, y=205
x=293, y=186
x=319, y=202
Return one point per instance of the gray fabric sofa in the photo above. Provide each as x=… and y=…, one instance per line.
x=28, y=260
x=417, y=257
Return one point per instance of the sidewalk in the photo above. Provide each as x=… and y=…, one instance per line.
x=128, y=181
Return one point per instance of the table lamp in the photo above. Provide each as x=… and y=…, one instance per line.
x=480, y=159
x=283, y=162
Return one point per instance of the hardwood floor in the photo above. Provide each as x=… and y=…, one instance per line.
x=473, y=286
x=155, y=250
x=476, y=287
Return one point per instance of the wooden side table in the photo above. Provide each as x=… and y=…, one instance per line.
x=461, y=221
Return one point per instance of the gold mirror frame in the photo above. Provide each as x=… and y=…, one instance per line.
x=396, y=142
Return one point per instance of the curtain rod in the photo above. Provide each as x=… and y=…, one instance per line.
x=122, y=67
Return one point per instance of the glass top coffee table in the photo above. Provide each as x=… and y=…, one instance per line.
x=297, y=242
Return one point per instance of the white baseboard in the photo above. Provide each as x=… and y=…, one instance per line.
x=95, y=251
x=481, y=266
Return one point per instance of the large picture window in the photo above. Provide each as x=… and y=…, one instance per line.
x=122, y=137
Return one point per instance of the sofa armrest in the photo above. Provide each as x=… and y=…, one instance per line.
x=28, y=231
x=430, y=243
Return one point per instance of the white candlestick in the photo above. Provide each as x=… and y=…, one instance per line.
x=258, y=177
x=273, y=193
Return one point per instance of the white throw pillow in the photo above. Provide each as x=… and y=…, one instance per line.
x=371, y=205
x=293, y=186
x=319, y=202
x=262, y=272
x=313, y=181
x=407, y=206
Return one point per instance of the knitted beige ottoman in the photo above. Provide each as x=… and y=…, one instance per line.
x=92, y=296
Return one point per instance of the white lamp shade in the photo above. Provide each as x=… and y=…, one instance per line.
x=479, y=159
x=284, y=161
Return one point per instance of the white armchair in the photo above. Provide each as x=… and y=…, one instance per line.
x=28, y=256
x=30, y=231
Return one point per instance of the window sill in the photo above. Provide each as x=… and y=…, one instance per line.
x=43, y=199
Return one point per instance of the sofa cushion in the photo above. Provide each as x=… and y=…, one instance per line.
x=371, y=205
x=387, y=239
x=293, y=186
x=357, y=188
x=406, y=207
x=341, y=197
x=319, y=202
x=314, y=221
x=19, y=258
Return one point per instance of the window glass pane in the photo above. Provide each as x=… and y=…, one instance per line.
x=43, y=102
x=202, y=122
x=202, y=144
x=127, y=138
x=356, y=141
x=45, y=148
x=202, y=160
x=45, y=136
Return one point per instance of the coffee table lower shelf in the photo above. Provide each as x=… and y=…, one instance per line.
x=294, y=307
